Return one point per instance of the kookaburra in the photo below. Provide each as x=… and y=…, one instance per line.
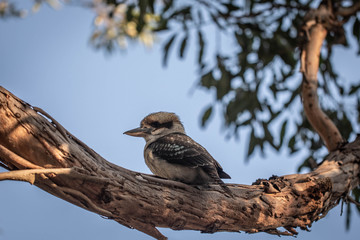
x=171, y=154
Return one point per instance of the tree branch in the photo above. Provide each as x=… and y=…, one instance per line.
x=314, y=34
x=14, y=159
x=72, y=171
x=348, y=11
x=29, y=175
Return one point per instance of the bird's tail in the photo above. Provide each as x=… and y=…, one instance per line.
x=223, y=174
x=216, y=178
x=225, y=188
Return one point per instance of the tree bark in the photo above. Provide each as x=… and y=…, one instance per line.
x=37, y=149
x=314, y=33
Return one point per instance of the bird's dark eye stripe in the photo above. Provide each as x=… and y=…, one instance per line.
x=167, y=124
x=156, y=124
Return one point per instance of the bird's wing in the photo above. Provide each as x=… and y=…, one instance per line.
x=180, y=149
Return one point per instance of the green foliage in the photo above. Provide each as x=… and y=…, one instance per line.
x=8, y=9
x=356, y=32
x=206, y=116
x=256, y=84
x=167, y=48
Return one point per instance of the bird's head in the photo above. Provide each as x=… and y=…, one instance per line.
x=156, y=125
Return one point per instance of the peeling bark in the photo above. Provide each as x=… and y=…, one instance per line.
x=39, y=150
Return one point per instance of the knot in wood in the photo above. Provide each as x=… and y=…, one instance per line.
x=105, y=196
x=323, y=185
x=270, y=187
x=273, y=185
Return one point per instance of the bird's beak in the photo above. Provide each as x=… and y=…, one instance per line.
x=138, y=132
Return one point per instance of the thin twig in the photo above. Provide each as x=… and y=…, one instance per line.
x=15, y=159
x=350, y=199
x=29, y=175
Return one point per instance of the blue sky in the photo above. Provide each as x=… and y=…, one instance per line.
x=47, y=61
